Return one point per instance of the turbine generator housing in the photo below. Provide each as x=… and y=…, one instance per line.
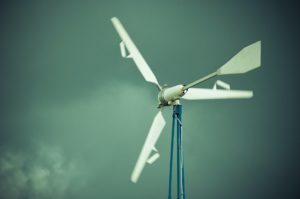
x=167, y=96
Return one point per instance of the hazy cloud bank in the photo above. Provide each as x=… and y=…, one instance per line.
x=45, y=173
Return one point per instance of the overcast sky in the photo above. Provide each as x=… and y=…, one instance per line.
x=74, y=114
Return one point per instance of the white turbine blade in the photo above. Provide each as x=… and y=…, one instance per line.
x=134, y=52
x=247, y=59
x=205, y=94
x=152, y=137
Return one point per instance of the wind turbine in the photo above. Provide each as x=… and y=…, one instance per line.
x=244, y=61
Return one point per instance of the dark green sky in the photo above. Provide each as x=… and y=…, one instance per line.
x=74, y=114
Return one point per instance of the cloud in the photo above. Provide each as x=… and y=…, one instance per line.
x=65, y=146
x=44, y=174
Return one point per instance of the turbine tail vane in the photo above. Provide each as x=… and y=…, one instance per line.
x=244, y=61
x=249, y=58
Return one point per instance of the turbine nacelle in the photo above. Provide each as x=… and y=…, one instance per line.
x=168, y=96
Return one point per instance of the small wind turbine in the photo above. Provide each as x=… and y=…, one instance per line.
x=245, y=60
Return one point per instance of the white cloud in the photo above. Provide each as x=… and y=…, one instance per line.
x=43, y=174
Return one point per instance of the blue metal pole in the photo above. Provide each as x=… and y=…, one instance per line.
x=177, y=115
x=180, y=162
x=177, y=112
x=178, y=155
x=182, y=190
x=171, y=155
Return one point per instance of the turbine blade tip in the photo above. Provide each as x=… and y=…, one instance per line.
x=133, y=180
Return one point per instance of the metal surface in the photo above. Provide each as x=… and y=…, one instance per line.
x=206, y=94
x=247, y=59
x=167, y=96
x=149, y=145
x=171, y=155
x=244, y=61
x=134, y=53
x=177, y=115
x=207, y=77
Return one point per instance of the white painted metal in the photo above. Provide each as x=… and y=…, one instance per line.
x=168, y=95
x=134, y=52
x=152, y=137
x=221, y=84
x=203, y=79
x=173, y=93
x=153, y=158
x=245, y=60
x=123, y=50
x=205, y=93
